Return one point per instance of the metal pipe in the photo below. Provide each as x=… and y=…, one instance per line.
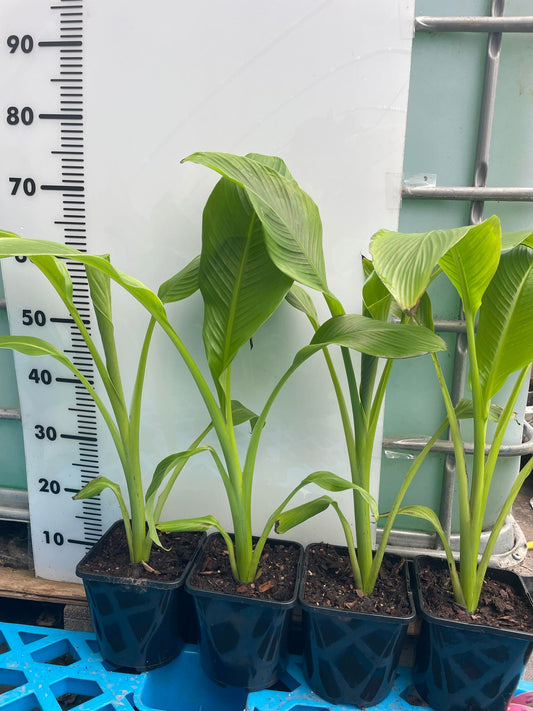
x=9, y=413
x=473, y=24
x=466, y=193
x=416, y=444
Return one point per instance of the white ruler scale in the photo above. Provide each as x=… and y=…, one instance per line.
x=59, y=418
x=100, y=102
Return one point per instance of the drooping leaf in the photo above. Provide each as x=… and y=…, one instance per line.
x=181, y=285
x=504, y=338
x=241, y=414
x=12, y=245
x=405, y=262
x=241, y=286
x=165, y=466
x=300, y=299
x=201, y=523
x=291, y=221
x=57, y=274
x=377, y=338
x=32, y=346
x=96, y=486
x=471, y=263
x=331, y=482
x=297, y=515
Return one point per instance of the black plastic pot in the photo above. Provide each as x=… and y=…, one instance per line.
x=466, y=667
x=138, y=622
x=243, y=640
x=351, y=657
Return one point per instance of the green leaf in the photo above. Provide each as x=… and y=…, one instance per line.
x=201, y=523
x=32, y=346
x=241, y=286
x=291, y=221
x=241, y=414
x=405, y=262
x=273, y=162
x=299, y=299
x=377, y=298
x=377, y=338
x=331, y=482
x=513, y=239
x=96, y=486
x=57, y=274
x=294, y=517
x=100, y=290
x=181, y=285
x=424, y=513
x=424, y=314
x=504, y=339
x=471, y=263
x=465, y=411
x=13, y=246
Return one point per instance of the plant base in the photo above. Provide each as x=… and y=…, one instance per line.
x=243, y=640
x=467, y=667
x=352, y=657
x=137, y=621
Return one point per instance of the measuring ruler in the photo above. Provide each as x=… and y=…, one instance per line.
x=44, y=177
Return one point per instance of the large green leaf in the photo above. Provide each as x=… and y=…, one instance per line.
x=57, y=274
x=504, y=339
x=181, y=285
x=377, y=338
x=241, y=286
x=291, y=221
x=405, y=262
x=471, y=263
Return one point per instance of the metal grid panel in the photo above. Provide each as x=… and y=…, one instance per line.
x=476, y=194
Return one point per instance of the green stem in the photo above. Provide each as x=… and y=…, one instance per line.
x=391, y=516
x=356, y=571
x=133, y=478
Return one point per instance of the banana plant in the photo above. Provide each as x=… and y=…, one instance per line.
x=123, y=424
x=360, y=421
x=493, y=275
x=261, y=233
x=244, y=273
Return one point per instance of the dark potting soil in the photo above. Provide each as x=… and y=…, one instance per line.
x=276, y=579
x=329, y=583
x=168, y=562
x=499, y=604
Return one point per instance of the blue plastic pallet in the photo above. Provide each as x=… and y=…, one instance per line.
x=38, y=665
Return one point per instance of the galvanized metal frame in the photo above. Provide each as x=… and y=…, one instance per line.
x=511, y=546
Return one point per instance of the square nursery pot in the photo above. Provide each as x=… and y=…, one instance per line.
x=352, y=657
x=139, y=622
x=462, y=666
x=243, y=640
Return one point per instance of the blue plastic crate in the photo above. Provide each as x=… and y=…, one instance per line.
x=299, y=696
x=38, y=665
x=42, y=665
